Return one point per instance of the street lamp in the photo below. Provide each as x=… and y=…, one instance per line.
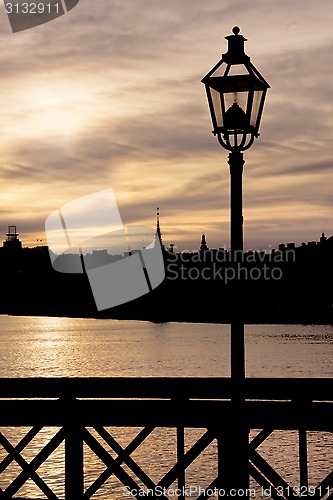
x=236, y=94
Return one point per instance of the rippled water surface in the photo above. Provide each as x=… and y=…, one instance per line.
x=52, y=347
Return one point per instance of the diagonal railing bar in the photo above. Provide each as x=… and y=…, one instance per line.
x=260, y=438
x=25, y=467
x=324, y=486
x=19, y=447
x=270, y=473
x=29, y=469
x=204, y=495
x=123, y=457
x=110, y=462
x=100, y=480
x=97, y=484
x=132, y=446
x=188, y=458
x=263, y=482
x=124, y=453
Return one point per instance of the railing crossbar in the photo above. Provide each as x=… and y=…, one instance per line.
x=273, y=477
x=29, y=469
x=124, y=453
x=263, y=482
x=19, y=447
x=260, y=438
x=325, y=485
x=112, y=464
x=187, y=459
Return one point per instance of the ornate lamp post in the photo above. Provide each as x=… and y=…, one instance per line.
x=236, y=94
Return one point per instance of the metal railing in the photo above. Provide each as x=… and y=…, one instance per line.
x=83, y=409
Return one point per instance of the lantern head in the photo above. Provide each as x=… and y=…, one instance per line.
x=236, y=94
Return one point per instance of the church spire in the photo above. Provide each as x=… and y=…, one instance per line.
x=158, y=229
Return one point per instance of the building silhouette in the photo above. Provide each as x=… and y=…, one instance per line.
x=290, y=284
x=12, y=242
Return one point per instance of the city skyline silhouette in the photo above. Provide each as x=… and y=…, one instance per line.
x=289, y=284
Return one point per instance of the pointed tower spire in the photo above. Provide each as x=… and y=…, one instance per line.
x=203, y=244
x=158, y=229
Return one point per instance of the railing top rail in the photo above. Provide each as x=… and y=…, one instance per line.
x=319, y=389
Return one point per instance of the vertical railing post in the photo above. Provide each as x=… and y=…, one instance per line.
x=180, y=458
x=303, y=459
x=233, y=460
x=74, y=470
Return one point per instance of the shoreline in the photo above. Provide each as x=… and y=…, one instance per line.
x=160, y=320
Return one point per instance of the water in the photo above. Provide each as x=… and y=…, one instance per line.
x=58, y=347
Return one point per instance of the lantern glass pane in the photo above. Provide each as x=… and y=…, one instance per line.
x=237, y=69
x=216, y=99
x=220, y=70
x=257, y=96
x=239, y=98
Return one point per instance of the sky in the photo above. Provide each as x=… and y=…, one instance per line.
x=110, y=96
